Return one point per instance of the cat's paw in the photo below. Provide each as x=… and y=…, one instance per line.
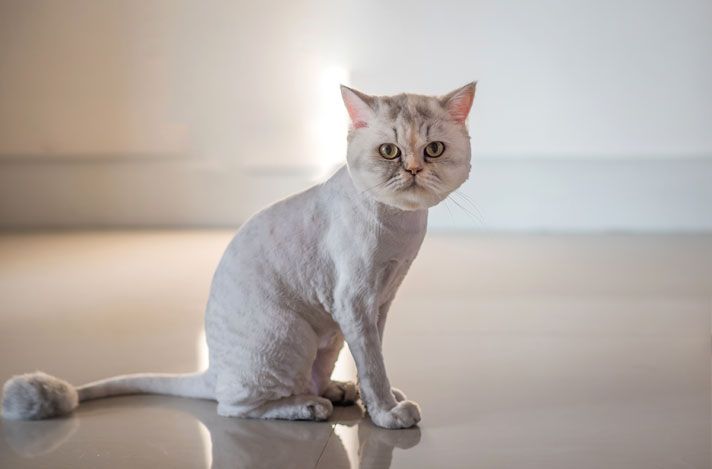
x=398, y=394
x=404, y=415
x=341, y=392
x=318, y=411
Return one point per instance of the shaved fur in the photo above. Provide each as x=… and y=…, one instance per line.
x=307, y=274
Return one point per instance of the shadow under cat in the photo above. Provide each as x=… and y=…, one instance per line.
x=231, y=442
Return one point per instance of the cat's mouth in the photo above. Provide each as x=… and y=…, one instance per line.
x=408, y=185
x=412, y=183
x=409, y=191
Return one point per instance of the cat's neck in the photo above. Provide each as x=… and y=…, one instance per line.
x=378, y=213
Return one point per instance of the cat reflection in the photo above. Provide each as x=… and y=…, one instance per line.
x=239, y=442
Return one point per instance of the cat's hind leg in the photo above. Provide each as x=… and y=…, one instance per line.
x=301, y=407
x=264, y=369
x=341, y=392
x=338, y=392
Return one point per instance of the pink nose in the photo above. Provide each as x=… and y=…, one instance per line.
x=413, y=169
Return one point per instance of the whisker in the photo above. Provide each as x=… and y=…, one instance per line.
x=472, y=204
x=465, y=210
x=379, y=184
x=475, y=215
x=452, y=219
x=470, y=200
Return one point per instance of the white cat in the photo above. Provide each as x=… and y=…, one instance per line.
x=308, y=272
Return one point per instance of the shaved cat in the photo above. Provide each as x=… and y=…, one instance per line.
x=309, y=272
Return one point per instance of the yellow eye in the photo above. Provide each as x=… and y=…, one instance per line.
x=389, y=151
x=434, y=149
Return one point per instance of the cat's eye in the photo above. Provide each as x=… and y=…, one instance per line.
x=434, y=149
x=389, y=151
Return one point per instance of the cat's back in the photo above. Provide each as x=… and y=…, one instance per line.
x=291, y=223
x=284, y=239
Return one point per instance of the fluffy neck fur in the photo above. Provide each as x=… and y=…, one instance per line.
x=378, y=214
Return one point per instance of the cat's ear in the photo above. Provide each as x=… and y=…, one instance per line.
x=359, y=106
x=459, y=102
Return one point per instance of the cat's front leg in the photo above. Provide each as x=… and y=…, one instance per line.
x=382, y=315
x=385, y=410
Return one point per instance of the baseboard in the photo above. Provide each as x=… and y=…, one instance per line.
x=520, y=195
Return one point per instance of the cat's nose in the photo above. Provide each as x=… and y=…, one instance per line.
x=412, y=166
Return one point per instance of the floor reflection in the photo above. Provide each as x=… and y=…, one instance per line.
x=360, y=444
x=33, y=439
x=348, y=440
x=557, y=351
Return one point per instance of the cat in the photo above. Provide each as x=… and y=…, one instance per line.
x=309, y=272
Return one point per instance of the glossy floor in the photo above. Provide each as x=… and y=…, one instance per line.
x=523, y=351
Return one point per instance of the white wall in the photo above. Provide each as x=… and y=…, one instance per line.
x=558, y=78
x=178, y=112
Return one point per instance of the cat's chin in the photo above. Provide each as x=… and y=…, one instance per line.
x=410, y=199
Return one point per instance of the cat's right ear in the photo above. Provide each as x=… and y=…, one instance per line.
x=459, y=102
x=359, y=106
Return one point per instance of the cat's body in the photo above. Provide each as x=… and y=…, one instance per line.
x=306, y=264
x=308, y=272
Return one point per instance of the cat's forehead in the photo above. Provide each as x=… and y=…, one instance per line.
x=409, y=108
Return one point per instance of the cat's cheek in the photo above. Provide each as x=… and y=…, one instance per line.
x=454, y=178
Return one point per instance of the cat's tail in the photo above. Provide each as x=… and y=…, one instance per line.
x=37, y=395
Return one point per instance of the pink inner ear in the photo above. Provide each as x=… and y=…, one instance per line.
x=356, y=114
x=358, y=110
x=459, y=105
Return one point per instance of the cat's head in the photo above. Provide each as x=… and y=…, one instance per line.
x=409, y=151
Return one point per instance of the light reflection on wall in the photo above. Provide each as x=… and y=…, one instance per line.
x=202, y=351
x=202, y=359
x=345, y=368
x=328, y=130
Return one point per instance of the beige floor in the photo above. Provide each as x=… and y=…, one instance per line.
x=524, y=352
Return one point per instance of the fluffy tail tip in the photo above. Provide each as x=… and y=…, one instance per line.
x=35, y=396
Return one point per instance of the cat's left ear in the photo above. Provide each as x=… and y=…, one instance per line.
x=459, y=102
x=359, y=105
